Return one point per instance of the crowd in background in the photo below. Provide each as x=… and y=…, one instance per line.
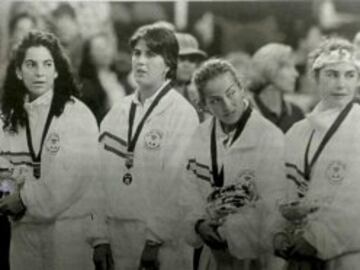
x=95, y=38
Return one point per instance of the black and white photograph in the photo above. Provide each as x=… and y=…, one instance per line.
x=180, y=135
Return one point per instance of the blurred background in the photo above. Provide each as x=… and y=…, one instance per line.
x=223, y=29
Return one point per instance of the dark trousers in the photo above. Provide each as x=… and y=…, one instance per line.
x=4, y=243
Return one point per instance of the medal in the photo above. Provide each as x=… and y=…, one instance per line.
x=132, y=139
x=127, y=178
x=36, y=157
x=37, y=170
x=129, y=161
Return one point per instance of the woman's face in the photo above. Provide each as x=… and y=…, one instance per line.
x=285, y=77
x=37, y=71
x=224, y=98
x=337, y=82
x=101, y=51
x=148, y=67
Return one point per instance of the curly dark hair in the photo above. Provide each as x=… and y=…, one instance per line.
x=161, y=41
x=13, y=112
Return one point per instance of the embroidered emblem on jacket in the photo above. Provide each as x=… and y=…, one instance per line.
x=153, y=139
x=335, y=172
x=53, y=143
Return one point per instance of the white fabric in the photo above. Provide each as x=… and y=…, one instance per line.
x=66, y=198
x=255, y=160
x=334, y=187
x=152, y=197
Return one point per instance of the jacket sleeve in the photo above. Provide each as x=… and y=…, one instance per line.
x=192, y=197
x=71, y=173
x=249, y=232
x=163, y=222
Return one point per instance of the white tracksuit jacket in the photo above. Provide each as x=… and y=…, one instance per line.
x=334, y=230
x=148, y=207
x=58, y=224
x=254, y=163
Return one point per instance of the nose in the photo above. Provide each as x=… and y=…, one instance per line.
x=39, y=70
x=227, y=104
x=341, y=81
x=140, y=59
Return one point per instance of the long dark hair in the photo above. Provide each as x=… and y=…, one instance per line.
x=13, y=112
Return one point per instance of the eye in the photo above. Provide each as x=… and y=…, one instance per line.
x=214, y=101
x=29, y=64
x=49, y=64
x=350, y=75
x=330, y=74
x=231, y=93
x=136, y=53
x=150, y=54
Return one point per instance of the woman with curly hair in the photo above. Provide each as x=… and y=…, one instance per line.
x=50, y=138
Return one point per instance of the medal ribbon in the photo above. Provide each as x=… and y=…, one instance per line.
x=331, y=131
x=133, y=140
x=36, y=158
x=218, y=177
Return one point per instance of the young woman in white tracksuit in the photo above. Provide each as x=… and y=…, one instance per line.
x=50, y=138
x=143, y=140
x=235, y=173
x=323, y=168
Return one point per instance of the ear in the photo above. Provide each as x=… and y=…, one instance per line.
x=56, y=74
x=18, y=74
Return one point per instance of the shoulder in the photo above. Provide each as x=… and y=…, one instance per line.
x=298, y=129
x=180, y=103
x=77, y=115
x=117, y=112
x=261, y=124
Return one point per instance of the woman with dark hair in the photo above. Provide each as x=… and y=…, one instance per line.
x=101, y=86
x=143, y=141
x=50, y=138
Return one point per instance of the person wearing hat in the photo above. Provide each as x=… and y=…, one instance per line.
x=322, y=162
x=190, y=57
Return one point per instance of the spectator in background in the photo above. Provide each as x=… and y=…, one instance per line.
x=101, y=86
x=190, y=57
x=19, y=26
x=68, y=31
x=277, y=77
x=243, y=64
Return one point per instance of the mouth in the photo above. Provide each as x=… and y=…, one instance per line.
x=140, y=72
x=229, y=114
x=38, y=83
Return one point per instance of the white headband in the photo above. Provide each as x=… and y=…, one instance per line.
x=333, y=57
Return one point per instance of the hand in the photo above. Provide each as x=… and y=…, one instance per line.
x=303, y=249
x=12, y=205
x=282, y=245
x=102, y=257
x=207, y=230
x=149, y=257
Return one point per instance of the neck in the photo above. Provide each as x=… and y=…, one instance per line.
x=272, y=98
x=337, y=104
x=147, y=92
x=228, y=128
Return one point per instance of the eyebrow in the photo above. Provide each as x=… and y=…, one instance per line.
x=229, y=87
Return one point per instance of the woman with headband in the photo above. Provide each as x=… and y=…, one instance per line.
x=322, y=155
